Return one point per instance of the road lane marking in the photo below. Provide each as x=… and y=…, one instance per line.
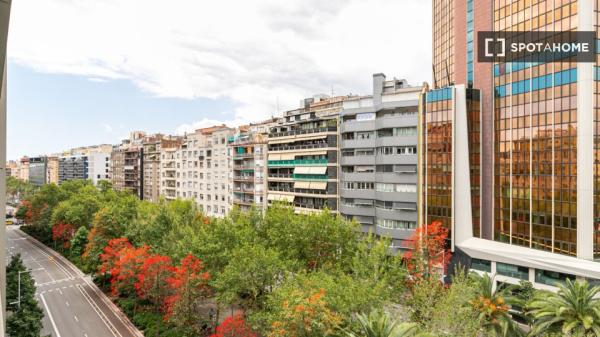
x=60, y=291
x=99, y=312
x=76, y=319
x=67, y=303
x=50, y=316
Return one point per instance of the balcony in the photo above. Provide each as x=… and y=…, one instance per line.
x=302, y=132
x=299, y=147
x=244, y=178
x=298, y=162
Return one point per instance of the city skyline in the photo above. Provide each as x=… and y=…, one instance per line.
x=64, y=78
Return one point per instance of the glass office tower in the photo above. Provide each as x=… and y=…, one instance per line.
x=518, y=141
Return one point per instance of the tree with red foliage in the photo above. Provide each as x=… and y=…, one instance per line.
x=234, y=326
x=152, y=279
x=189, y=287
x=429, y=253
x=123, y=262
x=63, y=233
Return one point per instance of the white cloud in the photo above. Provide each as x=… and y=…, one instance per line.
x=251, y=51
x=107, y=128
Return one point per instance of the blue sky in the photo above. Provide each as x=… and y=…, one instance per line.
x=89, y=72
x=49, y=113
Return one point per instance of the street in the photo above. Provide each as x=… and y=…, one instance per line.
x=72, y=304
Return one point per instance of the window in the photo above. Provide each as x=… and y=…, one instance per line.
x=551, y=278
x=385, y=168
x=396, y=224
x=406, y=150
x=385, y=133
x=405, y=131
x=348, y=136
x=481, y=265
x=358, y=185
x=385, y=151
x=512, y=271
x=389, y=205
x=364, y=169
x=364, y=152
x=365, y=135
x=387, y=187
x=367, y=116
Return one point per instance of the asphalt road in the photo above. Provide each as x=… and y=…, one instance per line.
x=73, y=305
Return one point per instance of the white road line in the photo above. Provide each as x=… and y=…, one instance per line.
x=60, y=291
x=85, y=335
x=67, y=303
x=50, y=316
x=76, y=319
x=99, y=312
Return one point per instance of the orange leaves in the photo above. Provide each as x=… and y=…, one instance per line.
x=306, y=313
x=188, y=284
x=63, y=233
x=234, y=326
x=490, y=307
x=123, y=262
x=428, y=250
x=152, y=278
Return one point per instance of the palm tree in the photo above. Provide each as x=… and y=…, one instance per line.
x=572, y=311
x=378, y=324
x=493, y=307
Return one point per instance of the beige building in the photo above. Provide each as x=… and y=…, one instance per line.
x=204, y=169
x=52, y=170
x=126, y=159
x=152, y=146
x=24, y=169
x=12, y=169
x=168, y=170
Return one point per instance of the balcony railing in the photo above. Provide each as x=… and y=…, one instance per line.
x=299, y=147
x=302, y=132
x=297, y=162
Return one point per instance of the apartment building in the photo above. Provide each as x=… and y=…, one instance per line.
x=24, y=169
x=52, y=170
x=38, y=170
x=379, y=159
x=204, y=169
x=509, y=153
x=303, y=155
x=12, y=169
x=127, y=165
x=152, y=146
x=94, y=166
x=250, y=165
x=168, y=170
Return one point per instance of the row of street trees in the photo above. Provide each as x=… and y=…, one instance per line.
x=176, y=272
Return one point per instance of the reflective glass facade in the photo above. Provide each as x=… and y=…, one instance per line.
x=443, y=43
x=535, y=132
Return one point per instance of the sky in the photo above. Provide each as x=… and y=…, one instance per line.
x=84, y=72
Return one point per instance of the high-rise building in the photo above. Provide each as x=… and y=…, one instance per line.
x=204, y=169
x=152, y=146
x=304, y=155
x=24, y=169
x=510, y=159
x=12, y=169
x=38, y=167
x=127, y=165
x=168, y=170
x=379, y=159
x=94, y=166
x=52, y=170
x=249, y=165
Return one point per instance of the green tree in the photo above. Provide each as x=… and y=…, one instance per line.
x=252, y=272
x=25, y=317
x=79, y=209
x=493, y=307
x=380, y=324
x=572, y=311
x=78, y=242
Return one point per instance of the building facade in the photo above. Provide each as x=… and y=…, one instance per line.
x=379, y=160
x=152, y=146
x=24, y=169
x=38, y=167
x=52, y=170
x=94, y=166
x=303, y=156
x=249, y=149
x=127, y=165
x=509, y=150
x=204, y=169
